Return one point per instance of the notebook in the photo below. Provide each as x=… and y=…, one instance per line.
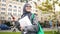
x=25, y=22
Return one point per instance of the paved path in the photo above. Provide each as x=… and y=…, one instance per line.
x=50, y=29
x=45, y=29
x=9, y=30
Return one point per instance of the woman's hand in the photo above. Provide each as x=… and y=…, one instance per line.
x=21, y=29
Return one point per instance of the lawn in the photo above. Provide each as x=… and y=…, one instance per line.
x=9, y=32
x=46, y=32
x=50, y=32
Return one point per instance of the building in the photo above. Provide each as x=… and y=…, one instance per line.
x=22, y=0
x=8, y=8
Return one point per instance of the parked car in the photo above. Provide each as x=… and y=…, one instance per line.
x=4, y=27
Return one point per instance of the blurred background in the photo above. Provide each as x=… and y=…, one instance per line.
x=48, y=14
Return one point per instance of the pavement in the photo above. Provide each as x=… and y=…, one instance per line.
x=50, y=29
x=45, y=29
x=10, y=30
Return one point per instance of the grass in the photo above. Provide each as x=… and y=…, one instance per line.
x=50, y=32
x=9, y=32
x=46, y=32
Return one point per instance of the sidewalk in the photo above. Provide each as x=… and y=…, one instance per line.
x=45, y=29
x=50, y=29
x=9, y=30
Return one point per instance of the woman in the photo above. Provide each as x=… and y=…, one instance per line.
x=29, y=29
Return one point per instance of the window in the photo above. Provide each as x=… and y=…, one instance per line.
x=24, y=0
x=20, y=0
x=17, y=0
x=3, y=0
x=19, y=7
x=10, y=5
x=19, y=10
x=19, y=14
x=2, y=8
x=15, y=14
x=15, y=6
x=2, y=12
x=9, y=9
x=9, y=13
x=3, y=4
x=2, y=18
x=9, y=18
x=14, y=10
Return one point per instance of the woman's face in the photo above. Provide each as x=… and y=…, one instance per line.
x=28, y=8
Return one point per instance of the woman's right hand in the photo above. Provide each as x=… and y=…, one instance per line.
x=21, y=29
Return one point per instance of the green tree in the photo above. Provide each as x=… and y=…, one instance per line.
x=46, y=7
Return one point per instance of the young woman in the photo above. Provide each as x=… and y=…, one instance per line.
x=29, y=29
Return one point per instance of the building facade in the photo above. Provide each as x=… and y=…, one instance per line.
x=8, y=8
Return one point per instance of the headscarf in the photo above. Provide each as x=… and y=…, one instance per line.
x=26, y=12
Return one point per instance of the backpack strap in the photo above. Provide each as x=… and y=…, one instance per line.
x=32, y=17
x=40, y=28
